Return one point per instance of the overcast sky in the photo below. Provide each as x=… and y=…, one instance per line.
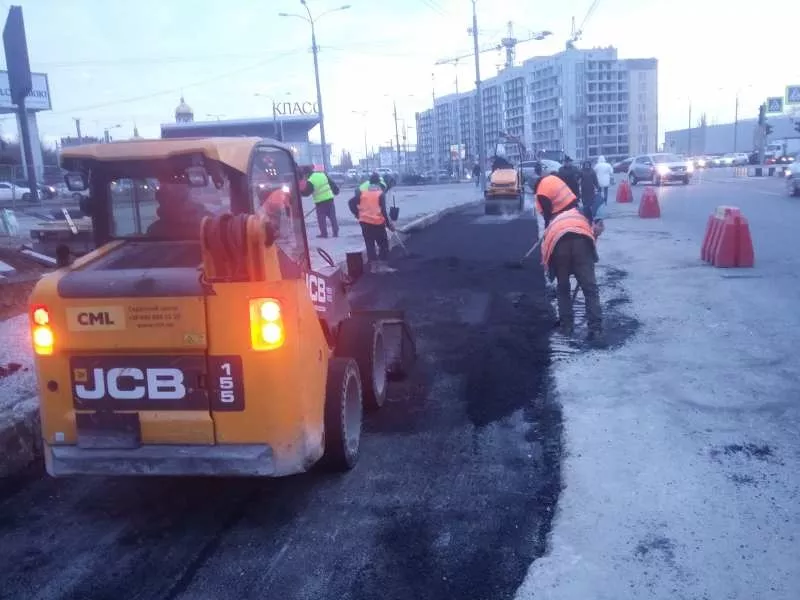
x=118, y=62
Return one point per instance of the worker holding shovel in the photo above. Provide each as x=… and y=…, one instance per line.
x=568, y=248
x=369, y=207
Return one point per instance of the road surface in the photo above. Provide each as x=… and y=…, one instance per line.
x=452, y=498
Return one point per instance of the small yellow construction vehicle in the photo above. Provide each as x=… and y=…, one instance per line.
x=196, y=339
x=505, y=192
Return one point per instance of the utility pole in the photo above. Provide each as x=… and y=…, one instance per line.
x=458, y=129
x=478, y=98
x=315, y=50
x=736, y=123
x=396, y=134
x=435, y=131
x=689, y=150
x=78, y=128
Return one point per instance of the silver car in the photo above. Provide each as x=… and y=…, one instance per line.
x=659, y=169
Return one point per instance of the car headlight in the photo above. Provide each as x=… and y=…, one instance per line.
x=689, y=168
x=662, y=169
x=701, y=163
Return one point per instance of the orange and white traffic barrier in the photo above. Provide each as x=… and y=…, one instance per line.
x=727, y=242
x=648, y=205
x=624, y=193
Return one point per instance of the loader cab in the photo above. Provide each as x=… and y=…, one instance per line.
x=163, y=198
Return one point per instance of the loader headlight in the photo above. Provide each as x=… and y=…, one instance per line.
x=266, y=324
x=42, y=333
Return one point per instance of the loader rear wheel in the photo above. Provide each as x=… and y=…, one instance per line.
x=361, y=338
x=343, y=414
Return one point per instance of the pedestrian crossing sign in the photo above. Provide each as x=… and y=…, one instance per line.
x=775, y=105
x=793, y=94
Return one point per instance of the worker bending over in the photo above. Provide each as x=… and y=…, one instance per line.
x=369, y=207
x=568, y=248
x=381, y=181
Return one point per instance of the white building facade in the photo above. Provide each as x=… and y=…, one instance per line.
x=584, y=102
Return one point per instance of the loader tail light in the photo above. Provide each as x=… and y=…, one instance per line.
x=42, y=332
x=266, y=324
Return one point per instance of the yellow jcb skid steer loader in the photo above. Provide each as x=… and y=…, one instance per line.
x=195, y=339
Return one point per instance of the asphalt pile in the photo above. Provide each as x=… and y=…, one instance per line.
x=17, y=281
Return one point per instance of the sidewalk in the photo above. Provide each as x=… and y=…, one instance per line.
x=681, y=478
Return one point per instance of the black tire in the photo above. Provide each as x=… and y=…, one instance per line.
x=632, y=179
x=343, y=414
x=361, y=338
x=26, y=197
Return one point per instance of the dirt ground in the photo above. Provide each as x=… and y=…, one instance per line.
x=15, y=289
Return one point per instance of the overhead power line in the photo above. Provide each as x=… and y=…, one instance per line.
x=174, y=90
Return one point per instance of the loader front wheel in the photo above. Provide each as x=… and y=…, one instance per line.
x=362, y=338
x=343, y=414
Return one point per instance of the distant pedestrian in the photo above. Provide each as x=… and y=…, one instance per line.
x=604, y=174
x=570, y=175
x=590, y=187
x=476, y=174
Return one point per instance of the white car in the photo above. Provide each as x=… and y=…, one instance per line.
x=660, y=168
x=10, y=192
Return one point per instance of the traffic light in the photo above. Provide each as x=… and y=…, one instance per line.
x=762, y=114
x=768, y=129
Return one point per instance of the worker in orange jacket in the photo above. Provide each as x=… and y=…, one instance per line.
x=369, y=207
x=568, y=248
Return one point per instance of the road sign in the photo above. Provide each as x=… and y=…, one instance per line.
x=793, y=94
x=775, y=105
x=16, y=47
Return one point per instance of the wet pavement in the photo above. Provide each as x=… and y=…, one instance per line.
x=452, y=498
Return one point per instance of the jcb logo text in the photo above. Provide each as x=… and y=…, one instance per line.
x=130, y=384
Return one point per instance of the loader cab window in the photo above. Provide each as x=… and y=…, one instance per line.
x=275, y=196
x=160, y=204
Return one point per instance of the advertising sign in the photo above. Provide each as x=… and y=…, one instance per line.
x=38, y=97
x=295, y=108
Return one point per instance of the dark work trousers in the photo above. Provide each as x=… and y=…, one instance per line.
x=375, y=236
x=327, y=210
x=605, y=194
x=574, y=255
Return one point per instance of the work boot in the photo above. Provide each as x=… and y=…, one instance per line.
x=596, y=338
x=565, y=328
x=383, y=267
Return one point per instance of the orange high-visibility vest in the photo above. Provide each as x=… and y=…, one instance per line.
x=570, y=221
x=369, y=206
x=554, y=188
x=280, y=198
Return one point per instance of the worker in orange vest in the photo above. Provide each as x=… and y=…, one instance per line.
x=276, y=202
x=568, y=248
x=369, y=207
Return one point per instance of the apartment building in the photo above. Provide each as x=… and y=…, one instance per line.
x=585, y=102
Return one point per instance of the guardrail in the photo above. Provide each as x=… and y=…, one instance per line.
x=760, y=171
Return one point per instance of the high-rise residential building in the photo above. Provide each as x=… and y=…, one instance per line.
x=584, y=102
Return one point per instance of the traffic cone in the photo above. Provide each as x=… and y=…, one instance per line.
x=705, y=253
x=714, y=231
x=648, y=205
x=624, y=193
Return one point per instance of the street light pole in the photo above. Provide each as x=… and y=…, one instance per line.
x=736, y=123
x=315, y=50
x=478, y=98
x=396, y=135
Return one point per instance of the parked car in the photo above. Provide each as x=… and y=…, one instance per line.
x=660, y=168
x=623, y=165
x=337, y=177
x=10, y=192
x=528, y=167
x=46, y=192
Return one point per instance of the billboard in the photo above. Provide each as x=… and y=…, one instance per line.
x=38, y=97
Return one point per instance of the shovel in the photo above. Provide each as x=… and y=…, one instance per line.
x=394, y=210
x=518, y=264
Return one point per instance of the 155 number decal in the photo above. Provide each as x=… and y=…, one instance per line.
x=227, y=383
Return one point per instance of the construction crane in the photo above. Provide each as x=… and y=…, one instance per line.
x=575, y=34
x=508, y=43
